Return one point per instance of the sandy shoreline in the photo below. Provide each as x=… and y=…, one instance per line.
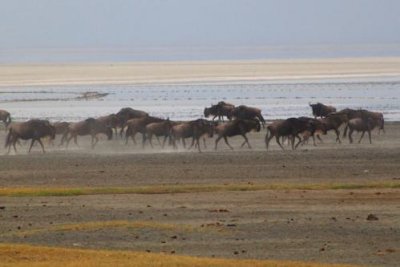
x=197, y=72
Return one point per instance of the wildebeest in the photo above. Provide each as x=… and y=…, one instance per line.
x=5, y=117
x=333, y=121
x=364, y=124
x=236, y=127
x=33, y=129
x=90, y=127
x=220, y=110
x=110, y=120
x=248, y=113
x=290, y=128
x=318, y=127
x=321, y=110
x=192, y=129
x=138, y=125
x=125, y=114
x=362, y=113
x=158, y=129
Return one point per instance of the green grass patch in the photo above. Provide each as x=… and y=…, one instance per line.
x=177, y=189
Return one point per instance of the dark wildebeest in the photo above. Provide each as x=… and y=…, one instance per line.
x=5, y=117
x=318, y=127
x=333, y=121
x=290, y=128
x=158, y=129
x=110, y=120
x=364, y=124
x=361, y=113
x=321, y=110
x=243, y=112
x=62, y=128
x=138, y=125
x=194, y=129
x=236, y=127
x=126, y=114
x=220, y=110
x=90, y=127
x=33, y=129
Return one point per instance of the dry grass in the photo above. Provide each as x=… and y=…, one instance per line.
x=25, y=255
x=175, y=189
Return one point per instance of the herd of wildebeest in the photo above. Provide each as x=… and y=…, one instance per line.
x=227, y=121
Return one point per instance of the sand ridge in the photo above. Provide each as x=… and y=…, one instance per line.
x=196, y=71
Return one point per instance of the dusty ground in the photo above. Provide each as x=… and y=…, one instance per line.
x=317, y=225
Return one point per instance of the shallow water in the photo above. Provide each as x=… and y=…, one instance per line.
x=187, y=101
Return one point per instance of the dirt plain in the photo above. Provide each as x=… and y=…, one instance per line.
x=322, y=225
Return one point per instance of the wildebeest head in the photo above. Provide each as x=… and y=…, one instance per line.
x=206, y=112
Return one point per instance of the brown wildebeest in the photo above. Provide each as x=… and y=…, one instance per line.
x=243, y=112
x=125, y=114
x=220, y=110
x=236, y=127
x=333, y=121
x=90, y=127
x=33, y=129
x=290, y=128
x=321, y=110
x=138, y=125
x=194, y=129
x=365, y=124
x=361, y=113
x=61, y=128
x=158, y=129
x=110, y=120
x=5, y=117
x=318, y=127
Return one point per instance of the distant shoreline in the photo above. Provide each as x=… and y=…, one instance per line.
x=199, y=72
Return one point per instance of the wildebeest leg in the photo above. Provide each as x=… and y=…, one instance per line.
x=319, y=138
x=144, y=137
x=226, y=142
x=337, y=136
x=69, y=140
x=345, y=130
x=158, y=139
x=313, y=140
x=121, y=131
x=14, y=142
x=350, y=137
x=63, y=138
x=298, y=143
x=32, y=142
x=204, y=142
x=191, y=144
x=41, y=144
x=150, y=137
x=369, y=136
x=216, y=141
x=362, y=135
x=95, y=142
x=184, y=143
x=76, y=140
x=267, y=139
x=214, y=117
x=246, y=141
x=279, y=143
x=165, y=140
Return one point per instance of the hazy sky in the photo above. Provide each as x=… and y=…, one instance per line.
x=121, y=23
